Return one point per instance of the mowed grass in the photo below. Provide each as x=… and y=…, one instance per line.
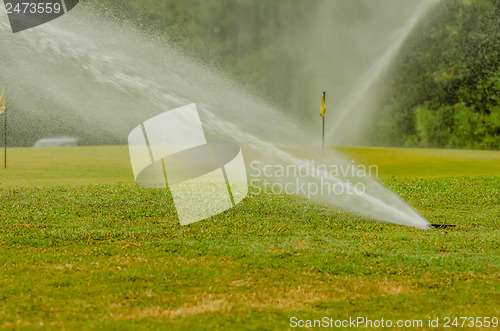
x=83, y=247
x=43, y=167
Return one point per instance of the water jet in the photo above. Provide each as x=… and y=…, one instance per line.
x=101, y=79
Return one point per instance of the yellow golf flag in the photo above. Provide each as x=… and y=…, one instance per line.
x=323, y=108
x=3, y=100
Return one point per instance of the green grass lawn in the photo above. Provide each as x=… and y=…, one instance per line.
x=83, y=247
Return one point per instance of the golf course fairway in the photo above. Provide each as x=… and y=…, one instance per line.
x=82, y=246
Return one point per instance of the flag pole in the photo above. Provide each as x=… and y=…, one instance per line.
x=3, y=111
x=5, y=139
x=323, y=137
x=323, y=115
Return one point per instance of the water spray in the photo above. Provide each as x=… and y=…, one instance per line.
x=104, y=79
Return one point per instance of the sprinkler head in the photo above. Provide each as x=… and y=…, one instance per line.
x=442, y=226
